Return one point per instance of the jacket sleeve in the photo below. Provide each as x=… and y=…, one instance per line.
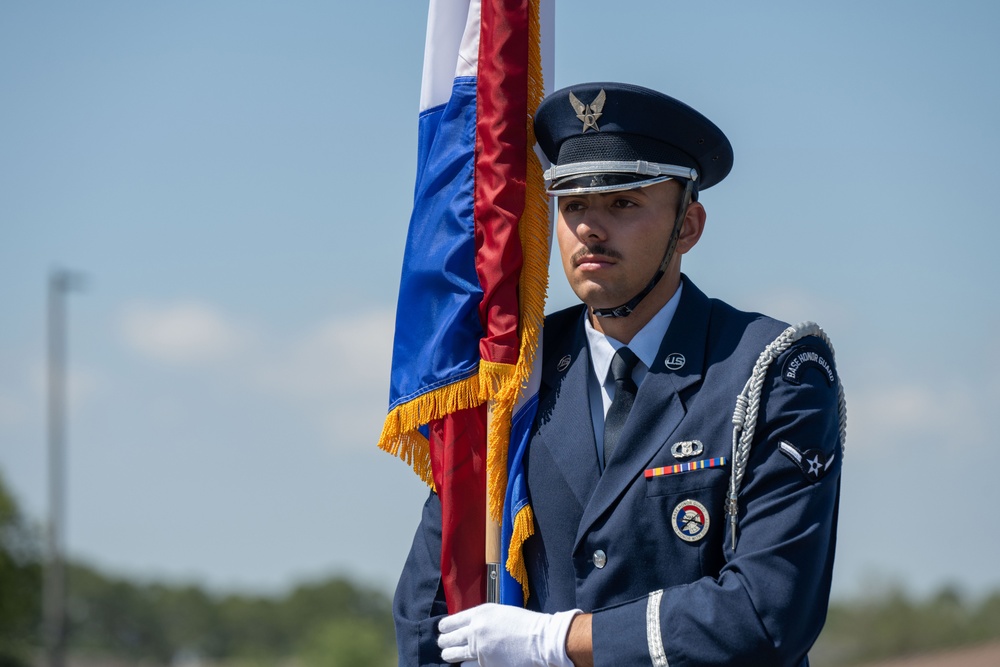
x=768, y=603
x=419, y=601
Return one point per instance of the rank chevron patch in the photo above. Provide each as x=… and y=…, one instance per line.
x=813, y=463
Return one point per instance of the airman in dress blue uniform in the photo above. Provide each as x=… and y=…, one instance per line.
x=706, y=535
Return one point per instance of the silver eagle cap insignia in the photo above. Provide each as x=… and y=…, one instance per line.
x=589, y=113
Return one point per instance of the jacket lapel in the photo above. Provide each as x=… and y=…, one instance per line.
x=659, y=404
x=565, y=410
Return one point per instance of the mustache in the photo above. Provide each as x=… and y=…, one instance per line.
x=596, y=249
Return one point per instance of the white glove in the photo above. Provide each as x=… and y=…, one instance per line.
x=494, y=635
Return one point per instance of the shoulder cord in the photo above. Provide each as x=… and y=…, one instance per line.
x=748, y=405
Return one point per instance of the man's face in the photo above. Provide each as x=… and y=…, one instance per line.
x=612, y=244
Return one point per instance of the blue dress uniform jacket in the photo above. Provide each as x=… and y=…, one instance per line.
x=665, y=591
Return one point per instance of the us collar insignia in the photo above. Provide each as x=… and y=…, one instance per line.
x=564, y=363
x=589, y=113
x=687, y=448
x=690, y=520
x=813, y=463
x=675, y=361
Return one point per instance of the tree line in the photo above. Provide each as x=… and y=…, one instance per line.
x=336, y=622
x=330, y=622
x=891, y=623
x=324, y=623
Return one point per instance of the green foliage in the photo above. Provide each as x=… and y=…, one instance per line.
x=191, y=620
x=336, y=622
x=892, y=624
x=347, y=643
x=115, y=616
x=159, y=623
x=20, y=583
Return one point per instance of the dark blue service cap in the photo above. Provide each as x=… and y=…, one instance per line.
x=603, y=137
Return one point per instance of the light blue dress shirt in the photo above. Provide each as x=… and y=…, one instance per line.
x=645, y=344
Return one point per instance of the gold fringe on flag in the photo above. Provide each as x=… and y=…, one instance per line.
x=400, y=436
x=524, y=527
x=535, y=233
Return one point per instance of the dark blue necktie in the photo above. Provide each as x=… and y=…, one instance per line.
x=622, y=365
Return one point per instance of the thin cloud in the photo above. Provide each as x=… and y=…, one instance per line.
x=181, y=333
x=27, y=386
x=334, y=374
x=338, y=372
x=339, y=357
x=910, y=418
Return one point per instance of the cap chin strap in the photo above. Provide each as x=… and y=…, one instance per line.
x=626, y=309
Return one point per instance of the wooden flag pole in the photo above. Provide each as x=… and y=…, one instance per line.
x=492, y=560
x=492, y=531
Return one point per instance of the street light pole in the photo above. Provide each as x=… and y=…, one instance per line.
x=60, y=283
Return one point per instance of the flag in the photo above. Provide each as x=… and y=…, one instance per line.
x=518, y=521
x=472, y=291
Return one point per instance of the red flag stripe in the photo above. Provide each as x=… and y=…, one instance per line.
x=500, y=171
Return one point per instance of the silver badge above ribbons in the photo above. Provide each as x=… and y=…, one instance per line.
x=687, y=448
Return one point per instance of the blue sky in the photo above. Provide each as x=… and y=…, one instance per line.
x=234, y=179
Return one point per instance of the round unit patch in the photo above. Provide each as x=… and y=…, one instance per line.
x=690, y=520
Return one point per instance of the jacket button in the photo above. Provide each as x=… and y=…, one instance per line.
x=600, y=559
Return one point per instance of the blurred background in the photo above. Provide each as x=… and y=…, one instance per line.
x=232, y=180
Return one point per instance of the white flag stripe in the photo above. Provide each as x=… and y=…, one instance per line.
x=451, y=48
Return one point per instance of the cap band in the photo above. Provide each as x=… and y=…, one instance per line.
x=601, y=183
x=619, y=167
x=569, y=178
